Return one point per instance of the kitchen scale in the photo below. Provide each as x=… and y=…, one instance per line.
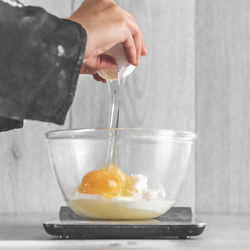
x=178, y=222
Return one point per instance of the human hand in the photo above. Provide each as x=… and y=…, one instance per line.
x=107, y=24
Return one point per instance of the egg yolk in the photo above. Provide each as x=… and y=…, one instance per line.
x=108, y=182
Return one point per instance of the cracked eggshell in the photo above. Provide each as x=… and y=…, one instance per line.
x=123, y=67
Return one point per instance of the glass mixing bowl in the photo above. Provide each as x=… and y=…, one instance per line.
x=157, y=159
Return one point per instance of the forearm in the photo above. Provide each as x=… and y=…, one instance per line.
x=40, y=60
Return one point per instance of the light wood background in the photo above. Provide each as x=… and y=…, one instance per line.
x=195, y=78
x=223, y=105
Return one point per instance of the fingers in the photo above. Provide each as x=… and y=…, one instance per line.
x=138, y=38
x=98, y=78
x=105, y=61
x=85, y=69
x=138, y=45
x=130, y=49
x=144, y=50
x=91, y=65
x=135, y=28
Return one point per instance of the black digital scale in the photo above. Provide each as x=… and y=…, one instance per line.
x=178, y=222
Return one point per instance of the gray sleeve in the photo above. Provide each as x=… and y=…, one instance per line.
x=40, y=61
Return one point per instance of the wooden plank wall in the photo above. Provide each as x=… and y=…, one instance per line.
x=223, y=100
x=160, y=94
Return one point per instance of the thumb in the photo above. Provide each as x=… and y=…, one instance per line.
x=91, y=65
x=105, y=61
x=100, y=62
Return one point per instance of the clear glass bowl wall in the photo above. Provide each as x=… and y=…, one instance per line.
x=161, y=155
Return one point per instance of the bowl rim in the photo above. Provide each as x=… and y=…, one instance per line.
x=128, y=132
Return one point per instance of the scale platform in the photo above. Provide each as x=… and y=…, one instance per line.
x=178, y=222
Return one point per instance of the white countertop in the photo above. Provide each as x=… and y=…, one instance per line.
x=222, y=232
